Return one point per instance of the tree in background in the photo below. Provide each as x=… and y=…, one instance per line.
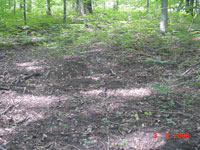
x=83, y=6
x=14, y=7
x=147, y=6
x=48, y=7
x=189, y=6
x=164, y=15
x=88, y=6
x=25, y=21
x=64, y=11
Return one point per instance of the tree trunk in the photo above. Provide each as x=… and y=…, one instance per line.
x=187, y=5
x=191, y=7
x=196, y=4
x=14, y=7
x=74, y=5
x=115, y=5
x=77, y=6
x=147, y=6
x=25, y=21
x=82, y=12
x=88, y=5
x=64, y=11
x=48, y=7
x=164, y=15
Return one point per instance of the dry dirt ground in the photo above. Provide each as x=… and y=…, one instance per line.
x=94, y=100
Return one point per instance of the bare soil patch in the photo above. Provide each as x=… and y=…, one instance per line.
x=91, y=101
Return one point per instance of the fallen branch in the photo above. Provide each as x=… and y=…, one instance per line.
x=4, y=88
x=32, y=75
x=69, y=145
x=7, y=109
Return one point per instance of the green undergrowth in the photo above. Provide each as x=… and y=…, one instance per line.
x=124, y=31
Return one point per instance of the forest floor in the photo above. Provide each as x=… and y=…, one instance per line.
x=97, y=99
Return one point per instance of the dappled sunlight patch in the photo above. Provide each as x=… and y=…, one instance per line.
x=96, y=77
x=23, y=109
x=29, y=101
x=141, y=140
x=134, y=92
x=94, y=49
x=137, y=92
x=29, y=66
x=92, y=92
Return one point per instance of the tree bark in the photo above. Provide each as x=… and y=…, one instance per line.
x=77, y=6
x=88, y=6
x=14, y=7
x=25, y=19
x=187, y=5
x=64, y=11
x=82, y=11
x=191, y=7
x=164, y=15
x=147, y=6
x=48, y=7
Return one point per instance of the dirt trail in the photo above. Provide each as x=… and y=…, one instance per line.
x=95, y=100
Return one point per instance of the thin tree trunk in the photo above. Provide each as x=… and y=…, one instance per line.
x=191, y=7
x=25, y=19
x=14, y=7
x=89, y=6
x=65, y=11
x=74, y=6
x=187, y=5
x=48, y=7
x=77, y=6
x=196, y=4
x=82, y=12
x=147, y=6
x=164, y=15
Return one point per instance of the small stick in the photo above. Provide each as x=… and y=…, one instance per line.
x=7, y=109
x=69, y=145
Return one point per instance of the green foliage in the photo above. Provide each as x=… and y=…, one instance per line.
x=160, y=88
x=158, y=60
x=123, y=142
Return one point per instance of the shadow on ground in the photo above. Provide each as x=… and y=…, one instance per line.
x=94, y=101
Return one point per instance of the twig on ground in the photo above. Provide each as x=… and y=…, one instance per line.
x=69, y=145
x=108, y=147
x=112, y=72
x=4, y=88
x=7, y=109
x=48, y=73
